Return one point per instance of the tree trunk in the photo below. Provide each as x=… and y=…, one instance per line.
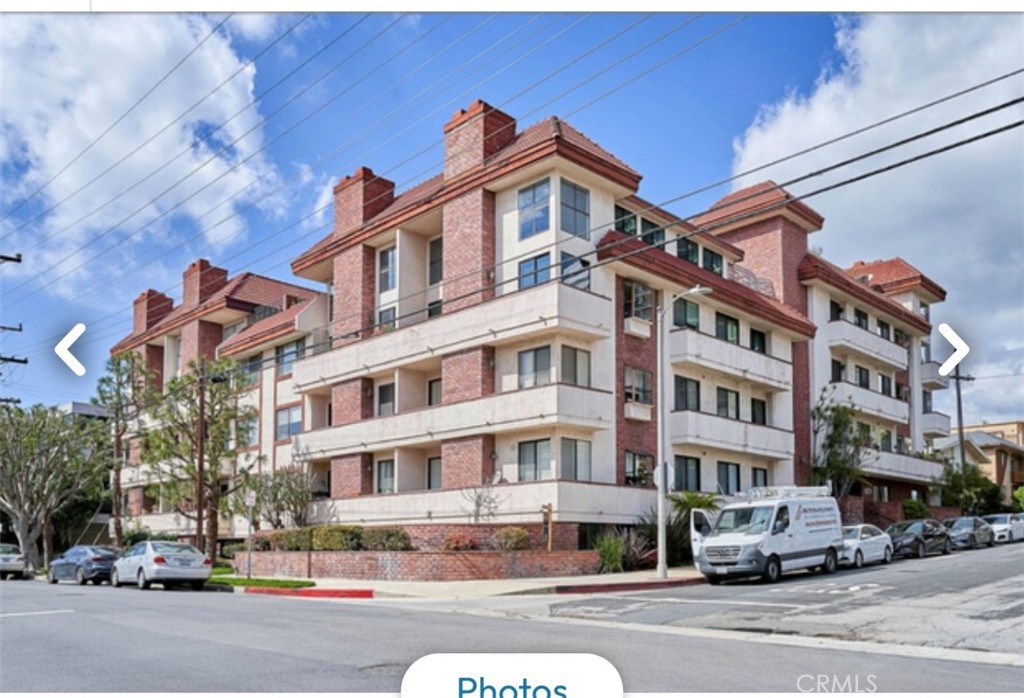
x=27, y=542
x=212, y=521
x=47, y=540
x=115, y=491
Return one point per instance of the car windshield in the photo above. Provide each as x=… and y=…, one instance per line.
x=7, y=548
x=906, y=527
x=959, y=524
x=998, y=518
x=104, y=550
x=851, y=532
x=163, y=547
x=744, y=520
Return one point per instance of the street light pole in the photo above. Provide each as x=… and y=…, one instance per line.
x=200, y=456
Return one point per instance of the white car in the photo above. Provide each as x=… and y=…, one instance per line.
x=1007, y=527
x=12, y=562
x=865, y=543
x=164, y=562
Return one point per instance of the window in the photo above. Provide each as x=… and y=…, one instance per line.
x=638, y=385
x=884, y=331
x=926, y=401
x=860, y=318
x=435, y=263
x=385, y=399
x=251, y=368
x=835, y=311
x=758, y=411
x=759, y=477
x=687, y=473
x=882, y=493
x=534, y=460
x=688, y=250
x=638, y=468
x=924, y=310
x=286, y=354
x=651, y=232
x=885, y=442
x=885, y=385
x=758, y=341
x=288, y=422
x=727, y=328
x=728, y=477
x=862, y=377
x=575, y=366
x=926, y=352
x=686, y=314
x=575, y=210
x=534, y=367
x=434, y=473
x=901, y=337
x=434, y=308
x=838, y=371
x=386, y=319
x=687, y=394
x=637, y=300
x=534, y=209
x=713, y=262
x=575, y=271
x=533, y=271
x=386, y=270
x=247, y=433
x=728, y=403
x=385, y=476
x=434, y=392
x=575, y=459
x=625, y=221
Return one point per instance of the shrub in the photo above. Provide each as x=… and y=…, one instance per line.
x=612, y=549
x=915, y=509
x=387, y=538
x=229, y=551
x=261, y=543
x=457, y=540
x=288, y=540
x=338, y=537
x=511, y=538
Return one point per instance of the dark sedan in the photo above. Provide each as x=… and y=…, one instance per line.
x=918, y=537
x=83, y=563
x=969, y=532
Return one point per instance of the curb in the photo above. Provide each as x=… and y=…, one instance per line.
x=624, y=586
x=312, y=593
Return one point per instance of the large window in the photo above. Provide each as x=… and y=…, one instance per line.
x=686, y=314
x=638, y=385
x=534, y=367
x=860, y=318
x=687, y=394
x=651, y=233
x=534, y=209
x=835, y=311
x=535, y=270
x=688, y=250
x=687, y=474
x=758, y=341
x=838, y=371
x=385, y=399
x=638, y=300
x=885, y=384
x=639, y=468
x=434, y=473
x=758, y=411
x=575, y=366
x=728, y=403
x=575, y=271
x=713, y=262
x=534, y=460
x=575, y=459
x=385, y=476
x=386, y=270
x=728, y=477
x=286, y=354
x=288, y=421
x=251, y=368
x=884, y=330
x=862, y=376
x=434, y=392
x=727, y=328
x=575, y=210
x=759, y=476
x=247, y=432
x=625, y=221
x=435, y=265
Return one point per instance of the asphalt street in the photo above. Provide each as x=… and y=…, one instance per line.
x=738, y=637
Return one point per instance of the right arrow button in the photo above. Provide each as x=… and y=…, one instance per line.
x=962, y=350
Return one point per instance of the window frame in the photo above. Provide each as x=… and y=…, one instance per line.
x=727, y=322
x=534, y=375
x=713, y=262
x=289, y=410
x=686, y=305
x=638, y=300
x=758, y=411
x=688, y=250
x=684, y=387
x=571, y=357
x=379, y=390
x=387, y=269
x=862, y=376
x=728, y=468
x=386, y=319
x=431, y=463
x=529, y=211
x=533, y=273
x=379, y=476
x=730, y=407
x=622, y=215
x=761, y=346
x=577, y=279
x=534, y=446
x=635, y=464
x=571, y=449
x=637, y=385
x=570, y=209
x=435, y=261
x=431, y=383
x=860, y=318
x=754, y=473
x=651, y=232
x=687, y=468
x=285, y=355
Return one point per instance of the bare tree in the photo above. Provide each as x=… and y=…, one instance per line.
x=483, y=503
x=282, y=497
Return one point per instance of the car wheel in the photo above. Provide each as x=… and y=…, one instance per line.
x=198, y=585
x=50, y=577
x=1010, y=539
x=991, y=541
x=80, y=579
x=972, y=543
x=141, y=581
x=3, y=576
x=946, y=547
x=858, y=560
x=115, y=580
x=831, y=562
x=919, y=549
x=888, y=555
x=772, y=570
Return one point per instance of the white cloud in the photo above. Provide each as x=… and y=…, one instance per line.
x=255, y=26
x=959, y=216
x=322, y=208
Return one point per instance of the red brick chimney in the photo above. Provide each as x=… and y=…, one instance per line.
x=201, y=280
x=473, y=135
x=359, y=198
x=148, y=309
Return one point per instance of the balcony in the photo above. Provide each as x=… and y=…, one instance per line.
x=688, y=346
x=846, y=335
x=930, y=378
x=512, y=411
x=870, y=402
x=689, y=427
x=901, y=467
x=934, y=424
x=512, y=317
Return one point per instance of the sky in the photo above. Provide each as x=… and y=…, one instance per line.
x=132, y=145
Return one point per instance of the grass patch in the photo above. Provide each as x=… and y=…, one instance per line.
x=259, y=582
x=222, y=570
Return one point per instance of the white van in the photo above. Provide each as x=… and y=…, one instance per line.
x=768, y=531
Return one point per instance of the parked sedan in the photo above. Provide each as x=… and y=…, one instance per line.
x=918, y=537
x=969, y=532
x=865, y=543
x=83, y=563
x=164, y=562
x=1007, y=527
x=12, y=562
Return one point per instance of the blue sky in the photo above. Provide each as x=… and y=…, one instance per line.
x=745, y=93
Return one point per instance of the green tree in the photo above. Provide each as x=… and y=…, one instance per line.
x=47, y=460
x=841, y=445
x=683, y=505
x=1018, y=498
x=171, y=446
x=969, y=490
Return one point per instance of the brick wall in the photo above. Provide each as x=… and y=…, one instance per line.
x=358, y=198
x=200, y=281
x=423, y=566
x=151, y=358
x=354, y=293
x=851, y=510
x=474, y=134
x=632, y=435
x=467, y=375
x=469, y=239
x=351, y=401
x=351, y=476
x=431, y=536
x=467, y=462
x=148, y=309
x=199, y=339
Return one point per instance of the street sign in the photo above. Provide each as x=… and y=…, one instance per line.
x=250, y=498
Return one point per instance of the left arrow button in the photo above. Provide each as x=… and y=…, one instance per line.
x=63, y=349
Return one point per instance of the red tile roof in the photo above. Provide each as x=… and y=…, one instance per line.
x=685, y=226
x=894, y=275
x=763, y=196
x=277, y=325
x=551, y=128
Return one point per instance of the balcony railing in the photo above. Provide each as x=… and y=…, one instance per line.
x=689, y=426
x=855, y=338
x=930, y=378
x=935, y=424
x=871, y=402
x=903, y=467
x=687, y=345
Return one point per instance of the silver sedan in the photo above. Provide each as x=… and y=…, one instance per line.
x=12, y=562
x=164, y=562
x=865, y=543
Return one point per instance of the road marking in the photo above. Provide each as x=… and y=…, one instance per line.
x=34, y=613
x=720, y=602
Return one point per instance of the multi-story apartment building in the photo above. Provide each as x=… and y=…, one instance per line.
x=264, y=323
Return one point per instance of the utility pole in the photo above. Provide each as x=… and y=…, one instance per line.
x=960, y=414
x=201, y=432
x=11, y=359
